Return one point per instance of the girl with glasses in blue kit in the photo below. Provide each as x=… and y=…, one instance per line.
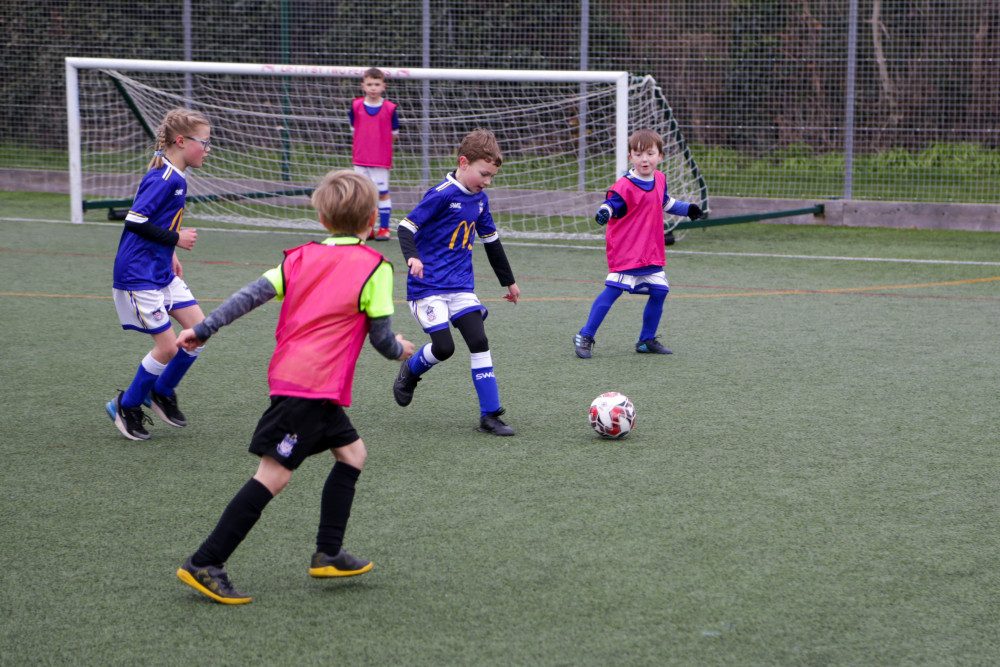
x=148, y=289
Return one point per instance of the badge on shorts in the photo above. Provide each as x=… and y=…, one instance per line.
x=429, y=313
x=158, y=314
x=287, y=444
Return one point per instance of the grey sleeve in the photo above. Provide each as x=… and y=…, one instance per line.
x=382, y=338
x=242, y=302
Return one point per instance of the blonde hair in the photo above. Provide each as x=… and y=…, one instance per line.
x=481, y=144
x=345, y=201
x=177, y=123
x=643, y=140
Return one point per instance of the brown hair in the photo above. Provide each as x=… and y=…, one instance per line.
x=345, y=201
x=373, y=73
x=481, y=144
x=643, y=140
x=177, y=123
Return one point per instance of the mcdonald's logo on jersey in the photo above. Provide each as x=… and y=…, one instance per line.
x=468, y=230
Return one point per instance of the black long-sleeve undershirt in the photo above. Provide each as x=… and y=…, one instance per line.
x=498, y=260
x=153, y=233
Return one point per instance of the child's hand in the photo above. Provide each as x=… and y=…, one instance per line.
x=187, y=340
x=416, y=267
x=175, y=266
x=603, y=215
x=187, y=237
x=694, y=212
x=513, y=292
x=407, y=348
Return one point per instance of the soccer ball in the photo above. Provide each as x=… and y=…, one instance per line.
x=612, y=415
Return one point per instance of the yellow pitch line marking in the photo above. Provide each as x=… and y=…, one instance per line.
x=589, y=298
x=74, y=296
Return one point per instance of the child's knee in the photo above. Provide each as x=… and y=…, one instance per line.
x=272, y=475
x=473, y=331
x=443, y=349
x=478, y=342
x=353, y=454
x=164, y=351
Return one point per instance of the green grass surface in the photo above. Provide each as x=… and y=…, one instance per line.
x=813, y=477
x=942, y=172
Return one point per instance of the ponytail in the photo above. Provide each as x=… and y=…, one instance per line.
x=177, y=122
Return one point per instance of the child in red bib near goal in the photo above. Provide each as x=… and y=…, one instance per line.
x=334, y=294
x=374, y=127
x=633, y=213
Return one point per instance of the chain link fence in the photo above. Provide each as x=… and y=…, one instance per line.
x=855, y=99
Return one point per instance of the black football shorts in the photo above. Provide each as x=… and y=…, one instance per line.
x=292, y=429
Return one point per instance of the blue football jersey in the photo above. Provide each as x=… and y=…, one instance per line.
x=444, y=225
x=142, y=264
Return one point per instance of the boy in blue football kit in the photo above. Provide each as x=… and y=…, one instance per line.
x=436, y=239
x=148, y=288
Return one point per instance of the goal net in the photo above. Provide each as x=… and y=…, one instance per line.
x=277, y=129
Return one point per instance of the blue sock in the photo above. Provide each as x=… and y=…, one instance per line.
x=651, y=315
x=602, y=304
x=384, y=211
x=485, y=382
x=149, y=370
x=175, y=370
x=422, y=361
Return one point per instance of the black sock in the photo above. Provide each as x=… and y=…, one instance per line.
x=236, y=521
x=335, y=508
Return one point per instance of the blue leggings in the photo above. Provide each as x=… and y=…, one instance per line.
x=651, y=314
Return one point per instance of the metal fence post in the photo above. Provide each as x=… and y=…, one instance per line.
x=852, y=67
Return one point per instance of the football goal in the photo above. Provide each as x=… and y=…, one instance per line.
x=276, y=129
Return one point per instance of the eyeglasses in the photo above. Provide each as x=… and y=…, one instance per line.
x=205, y=143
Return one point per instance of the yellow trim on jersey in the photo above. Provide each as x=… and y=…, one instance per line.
x=376, y=295
x=175, y=224
x=166, y=172
x=136, y=310
x=443, y=186
x=274, y=277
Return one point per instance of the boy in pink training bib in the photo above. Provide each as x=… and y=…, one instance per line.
x=335, y=294
x=374, y=126
x=633, y=213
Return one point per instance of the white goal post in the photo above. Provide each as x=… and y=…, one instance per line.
x=276, y=129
